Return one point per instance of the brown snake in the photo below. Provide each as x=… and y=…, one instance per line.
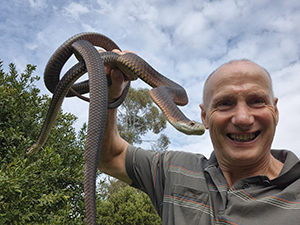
x=165, y=93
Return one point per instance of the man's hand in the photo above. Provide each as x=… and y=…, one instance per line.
x=118, y=79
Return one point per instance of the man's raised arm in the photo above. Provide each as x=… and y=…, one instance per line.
x=113, y=150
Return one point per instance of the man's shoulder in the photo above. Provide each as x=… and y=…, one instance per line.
x=284, y=155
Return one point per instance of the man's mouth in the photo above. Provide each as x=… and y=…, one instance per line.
x=243, y=137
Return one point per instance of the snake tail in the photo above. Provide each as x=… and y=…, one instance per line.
x=57, y=99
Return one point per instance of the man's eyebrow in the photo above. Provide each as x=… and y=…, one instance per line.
x=251, y=94
x=222, y=97
x=259, y=93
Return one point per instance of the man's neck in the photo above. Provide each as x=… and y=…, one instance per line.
x=271, y=169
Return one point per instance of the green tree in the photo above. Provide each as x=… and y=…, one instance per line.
x=119, y=203
x=161, y=144
x=138, y=115
x=46, y=188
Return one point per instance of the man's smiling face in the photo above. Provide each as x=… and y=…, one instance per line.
x=241, y=113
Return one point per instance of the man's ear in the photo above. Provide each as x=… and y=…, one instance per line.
x=203, y=116
x=276, y=110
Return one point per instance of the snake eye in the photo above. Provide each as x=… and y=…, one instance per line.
x=192, y=123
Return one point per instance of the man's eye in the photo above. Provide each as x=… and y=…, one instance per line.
x=258, y=102
x=224, y=105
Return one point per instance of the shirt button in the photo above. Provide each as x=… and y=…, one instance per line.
x=267, y=182
x=221, y=212
x=246, y=185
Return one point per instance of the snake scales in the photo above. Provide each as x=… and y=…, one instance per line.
x=165, y=93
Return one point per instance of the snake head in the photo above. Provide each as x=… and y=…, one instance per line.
x=198, y=128
x=189, y=127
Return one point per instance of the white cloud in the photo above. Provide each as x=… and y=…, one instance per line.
x=38, y=4
x=184, y=41
x=75, y=10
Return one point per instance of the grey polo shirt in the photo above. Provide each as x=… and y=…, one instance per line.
x=187, y=188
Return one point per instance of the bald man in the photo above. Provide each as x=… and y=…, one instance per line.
x=243, y=181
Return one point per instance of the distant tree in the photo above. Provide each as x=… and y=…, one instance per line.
x=46, y=188
x=138, y=115
x=161, y=144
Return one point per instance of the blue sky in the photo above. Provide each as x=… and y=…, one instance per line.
x=184, y=40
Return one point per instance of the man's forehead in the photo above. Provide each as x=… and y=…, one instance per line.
x=234, y=72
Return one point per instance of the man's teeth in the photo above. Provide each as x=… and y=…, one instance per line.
x=242, y=137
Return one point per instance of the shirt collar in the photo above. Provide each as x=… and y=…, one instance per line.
x=290, y=170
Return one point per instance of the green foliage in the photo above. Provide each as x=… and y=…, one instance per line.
x=47, y=187
x=122, y=204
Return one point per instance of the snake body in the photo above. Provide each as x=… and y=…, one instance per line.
x=165, y=93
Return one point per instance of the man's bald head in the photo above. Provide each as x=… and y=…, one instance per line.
x=232, y=63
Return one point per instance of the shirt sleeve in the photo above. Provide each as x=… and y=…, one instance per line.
x=146, y=169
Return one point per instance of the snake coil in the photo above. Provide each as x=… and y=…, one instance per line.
x=165, y=93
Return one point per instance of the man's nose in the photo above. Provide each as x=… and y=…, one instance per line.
x=242, y=116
